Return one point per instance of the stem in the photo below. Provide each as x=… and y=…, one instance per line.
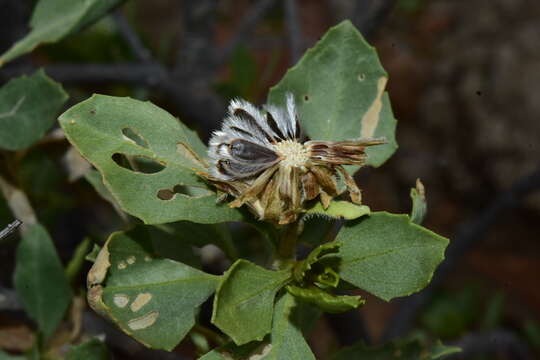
x=286, y=254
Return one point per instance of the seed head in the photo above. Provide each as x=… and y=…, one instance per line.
x=262, y=159
x=292, y=154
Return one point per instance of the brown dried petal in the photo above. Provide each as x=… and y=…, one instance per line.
x=350, y=152
x=354, y=191
x=255, y=189
x=310, y=186
x=326, y=180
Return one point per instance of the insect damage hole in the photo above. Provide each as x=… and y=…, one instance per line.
x=138, y=163
x=132, y=135
x=168, y=194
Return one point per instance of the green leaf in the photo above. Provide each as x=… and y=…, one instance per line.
x=327, y=278
x=28, y=108
x=389, y=256
x=142, y=152
x=325, y=301
x=419, y=204
x=285, y=342
x=339, y=89
x=339, y=209
x=92, y=255
x=314, y=256
x=91, y=350
x=40, y=280
x=152, y=299
x=54, y=19
x=287, y=339
x=244, y=301
x=409, y=350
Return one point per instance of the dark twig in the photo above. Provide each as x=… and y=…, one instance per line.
x=467, y=235
x=131, y=37
x=293, y=27
x=10, y=228
x=491, y=343
x=370, y=14
x=128, y=73
x=203, y=107
x=196, y=55
x=248, y=23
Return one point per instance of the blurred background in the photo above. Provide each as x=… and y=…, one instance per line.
x=464, y=84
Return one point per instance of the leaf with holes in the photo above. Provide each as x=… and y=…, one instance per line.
x=147, y=159
x=244, y=301
x=152, y=299
x=40, y=280
x=339, y=89
x=28, y=108
x=388, y=255
x=54, y=19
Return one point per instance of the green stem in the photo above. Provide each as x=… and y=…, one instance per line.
x=286, y=254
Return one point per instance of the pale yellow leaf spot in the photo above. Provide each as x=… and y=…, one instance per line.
x=147, y=258
x=131, y=260
x=370, y=120
x=97, y=273
x=144, y=321
x=140, y=301
x=120, y=300
x=121, y=265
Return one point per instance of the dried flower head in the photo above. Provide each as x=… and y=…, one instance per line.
x=262, y=158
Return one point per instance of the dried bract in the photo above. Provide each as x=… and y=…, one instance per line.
x=262, y=158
